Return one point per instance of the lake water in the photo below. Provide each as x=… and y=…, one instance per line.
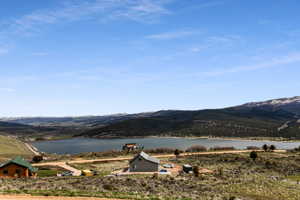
x=80, y=145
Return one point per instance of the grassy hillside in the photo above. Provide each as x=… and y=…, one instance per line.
x=10, y=147
x=272, y=176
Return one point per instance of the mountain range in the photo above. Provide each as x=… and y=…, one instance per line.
x=272, y=118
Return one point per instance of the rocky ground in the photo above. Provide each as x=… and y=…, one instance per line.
x=272, y=176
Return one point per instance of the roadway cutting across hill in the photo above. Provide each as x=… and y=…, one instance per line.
x=77, y=172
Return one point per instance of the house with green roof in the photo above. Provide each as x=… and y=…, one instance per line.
x=17, y=168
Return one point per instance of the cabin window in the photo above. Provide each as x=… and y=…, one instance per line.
x=18, y=171
x=5, y=172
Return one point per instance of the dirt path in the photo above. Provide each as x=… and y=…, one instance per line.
x=75, y=172
x=28, y=197
x=65, y=164
x=32, y=149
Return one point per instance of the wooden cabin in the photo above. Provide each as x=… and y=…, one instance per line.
x=130, y=147
x=144, y=163
x=17, y=168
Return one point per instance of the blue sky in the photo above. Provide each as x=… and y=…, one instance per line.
x=95, y=57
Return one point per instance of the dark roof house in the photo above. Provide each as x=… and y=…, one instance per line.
x=144, y=163
x=18, y=168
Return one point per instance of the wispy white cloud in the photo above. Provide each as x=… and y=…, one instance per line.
x=200, y=4
x=195, y=49
x=40, y=54
x=265, y=22
x=141, y=10
x=210, y=3
x=3, y=50
x=7, y=90
x=271, y=63
x=223, y=39
x=11, y=80
x=173, y=35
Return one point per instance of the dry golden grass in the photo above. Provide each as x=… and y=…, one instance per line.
x=10, y=147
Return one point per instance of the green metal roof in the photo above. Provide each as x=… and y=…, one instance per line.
x=20, y=161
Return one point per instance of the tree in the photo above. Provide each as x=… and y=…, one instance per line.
x=272, y=147
x=221, y=171
x=253, y=155
x=196, y=171
x=37, y=158
x=265, y=147
x=177, y=153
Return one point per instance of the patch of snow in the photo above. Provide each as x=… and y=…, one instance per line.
x=284, y=126
x=275, y=102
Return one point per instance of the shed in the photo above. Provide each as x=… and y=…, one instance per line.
x=17, y=168
x=130, y=147
x=187, y=168
x=144, y=163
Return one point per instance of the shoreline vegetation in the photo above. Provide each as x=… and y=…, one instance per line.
x=275, y=139
x=193, y=149
x=36, y=151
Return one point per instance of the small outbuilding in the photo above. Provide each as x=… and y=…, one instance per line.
x=17, y=168
x=130, y=147
x=187, y=168
x=144, y=163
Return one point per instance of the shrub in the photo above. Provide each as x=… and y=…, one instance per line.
x=108, y=187
x=268, y=164
x=196, y=171
x=196, y=148
x=265, y=147
x=297, y=149
x=155, y=176
x=37, y=159
x=217, y=148
x=252, y=148
x=253, y=155
x=160, y=150
x=272, y=147
x=220, y=171
x=176, y=152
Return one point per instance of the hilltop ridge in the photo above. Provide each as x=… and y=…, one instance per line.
x=271, y=118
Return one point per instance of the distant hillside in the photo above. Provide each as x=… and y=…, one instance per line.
x=15, y=128
x=249, y=120
x=28, y=131
x=288, y=104
x=84, y=121
x=273, y=118
x=58, y=127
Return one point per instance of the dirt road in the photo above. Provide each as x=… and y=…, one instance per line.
x=32, y=149
x=75, y=171
x=28, y=197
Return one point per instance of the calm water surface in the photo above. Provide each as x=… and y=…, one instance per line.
x=80, y=145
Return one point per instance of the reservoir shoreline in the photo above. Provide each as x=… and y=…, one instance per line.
x=83, y=145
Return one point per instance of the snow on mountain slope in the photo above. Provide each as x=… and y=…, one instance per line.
x=288, y=104
x=275, y=102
